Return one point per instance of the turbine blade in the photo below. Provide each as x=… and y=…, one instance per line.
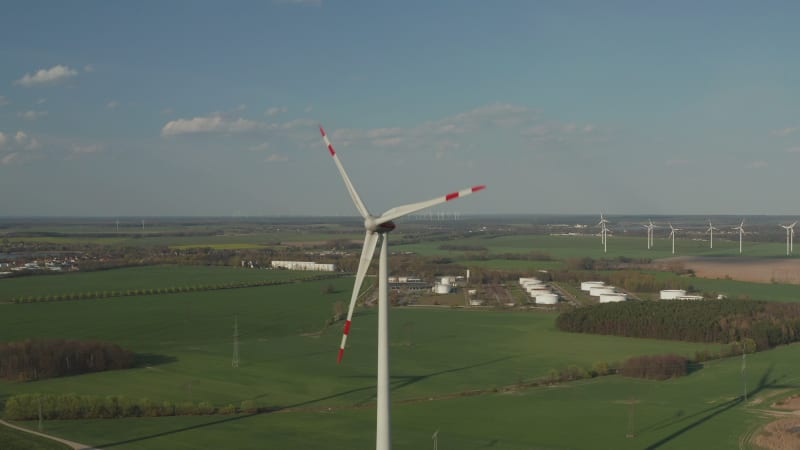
x=400, y=211
x=370, y=240
x=353, y=194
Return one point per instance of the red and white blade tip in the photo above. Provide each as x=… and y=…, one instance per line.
x=455, y=195
x=327, y=141
x=344, y=339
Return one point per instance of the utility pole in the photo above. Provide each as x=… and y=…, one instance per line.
x=435, y=438
x=41, y=424
x=235, y=361
x=631, y=418
x=744, y=370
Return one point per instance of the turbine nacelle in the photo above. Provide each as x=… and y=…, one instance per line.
x=373, y=225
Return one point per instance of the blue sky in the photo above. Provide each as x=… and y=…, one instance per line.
x=211, y=108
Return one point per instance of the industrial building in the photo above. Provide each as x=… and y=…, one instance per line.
x=303, y=265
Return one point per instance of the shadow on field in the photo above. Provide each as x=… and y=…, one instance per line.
x=153, y=359
x=707, y=414
x=401, y=381
x=404, y=381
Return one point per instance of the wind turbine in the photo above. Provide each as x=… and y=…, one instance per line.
x=603, y=232
x=650, y=226
x=672, y=235
x=710, y=230
x=740, y=229
x=377, y=226
x=789, y=238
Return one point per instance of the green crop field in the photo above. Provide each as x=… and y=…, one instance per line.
x=147, y=277
x=564, y=247
x=288, y=360
x=17, y=440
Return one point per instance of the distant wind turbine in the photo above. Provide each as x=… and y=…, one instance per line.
x=379, y=227
x=603, y=232
x=710, y=230
x=789, y=238
x=672, y=235
x=650, y=226
x=740, y=229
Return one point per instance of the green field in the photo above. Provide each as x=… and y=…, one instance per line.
x=11, y=439
x=146, y=277
x=564, y=247
x=288, y=361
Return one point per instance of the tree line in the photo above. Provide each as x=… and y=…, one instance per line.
x=719, y=321
x=164, y=290
x=37, y=359
x=74, y=406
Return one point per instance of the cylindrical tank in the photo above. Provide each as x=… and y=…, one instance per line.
x=587, y=285
x=597, y=291
x=442, y=288
x=611, y=298
x=531, y=284
x=449, y=280
x=546, y=299
x=522, y=280
x=672, y=294
x=536, y=292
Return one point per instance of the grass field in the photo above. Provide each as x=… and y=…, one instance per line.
x=18, y=440
x=287, y=362
x=564, y=247
x=146, y=277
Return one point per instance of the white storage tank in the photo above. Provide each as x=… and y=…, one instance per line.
x=522, y=280
x=448, y=280
x=538, y=292
x=588, y=285
x=546, y=299
x=600, y=290
x=672, y=294
x=440, y=288
x=613, y=298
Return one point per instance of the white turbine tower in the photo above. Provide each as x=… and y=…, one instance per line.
x=740, y=229
x=789, y=238
x=672, y=235
x=650, y=227
x=710, y=230
x=603, y=232
x=380, y=226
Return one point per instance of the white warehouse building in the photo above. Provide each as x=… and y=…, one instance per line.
x=303, y=265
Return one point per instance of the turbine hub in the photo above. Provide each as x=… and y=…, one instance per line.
x=384, y=227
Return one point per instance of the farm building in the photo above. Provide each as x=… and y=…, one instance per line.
x=303, y=265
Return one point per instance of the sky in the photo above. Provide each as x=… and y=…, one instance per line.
x=196, y=108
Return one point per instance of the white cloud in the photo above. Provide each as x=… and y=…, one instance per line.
x=4, y=101
x=785, y=131
x=214, y=123
x=9, y=158
x=113, y=104
x=756, y=165
x=32, y=115
x=276, y=158
x=3, y=139
x=388, y=142
x=90, y=148
x=44, y=77
x=297, y=123
x=308, y=109
x=275, y=110
x=20, y=137
x=793, y=150
x=41, y=101
x=88, y=68
x=261, y=147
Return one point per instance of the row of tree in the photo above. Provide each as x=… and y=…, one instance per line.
x=165, y=290
x=719, y=321
x=36, y=359
x=74, y=406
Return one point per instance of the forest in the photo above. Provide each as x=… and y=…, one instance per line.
x=714, y=321
x=37, y=359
